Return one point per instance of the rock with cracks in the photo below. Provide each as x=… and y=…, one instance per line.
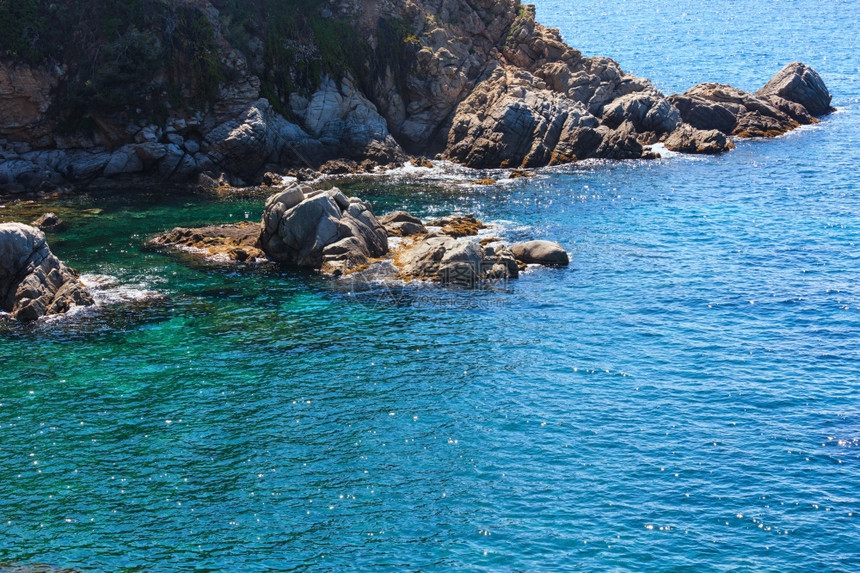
x=321, y=229
x=33, y=282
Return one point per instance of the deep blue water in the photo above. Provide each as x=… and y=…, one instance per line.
x=686, y=396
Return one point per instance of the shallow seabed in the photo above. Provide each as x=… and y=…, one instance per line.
x=684, y=396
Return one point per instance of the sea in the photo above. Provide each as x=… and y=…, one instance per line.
x=685, y=396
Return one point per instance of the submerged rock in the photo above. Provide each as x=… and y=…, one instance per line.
x=34, y=282
x=458, y=225
x=49, y=222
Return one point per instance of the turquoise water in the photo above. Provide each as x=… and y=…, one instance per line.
x=684, y=397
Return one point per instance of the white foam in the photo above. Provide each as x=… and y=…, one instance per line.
x=664, y=152
x=107, y=290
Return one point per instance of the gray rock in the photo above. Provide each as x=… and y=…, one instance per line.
x=441, y=258
x=150, y=133
x=621, y=143
x=800, y=84
x=192, y=146
x=33, y=282
x=541, y=253
x=175, y=139
x=323, y=230
x=462, y=264
x=150, y=152
x=422, y=259
x=82, y=165
x=123, y=161
x=402, y=224
x=688, y=139
x=648, y=112
x=260, y=137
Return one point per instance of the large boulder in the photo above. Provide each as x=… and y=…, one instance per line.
x=34, y=282
x=800, y=84
x=321, y=229
x=541, y=253
x=731, y=111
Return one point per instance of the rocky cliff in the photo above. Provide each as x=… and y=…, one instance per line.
x=158, y=92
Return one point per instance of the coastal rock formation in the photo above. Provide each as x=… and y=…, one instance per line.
x=339, y=235
x=441, y=258
x=800, y=84
x=545, y=104
x=227, y=95
x=34, y=282
x=321, y=229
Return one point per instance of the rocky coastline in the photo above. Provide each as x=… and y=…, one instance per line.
x=480, y=83
x=351, y=87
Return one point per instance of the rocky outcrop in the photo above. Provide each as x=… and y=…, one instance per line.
x=339, y=235
x=239, y=242
x=441, y=258
x=25, y=96
x=321, y=229
x=545, y=104
x=779, y=107
x=731, y=111
x=34, y=282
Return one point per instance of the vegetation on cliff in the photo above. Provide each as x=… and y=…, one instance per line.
x=138, y=59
